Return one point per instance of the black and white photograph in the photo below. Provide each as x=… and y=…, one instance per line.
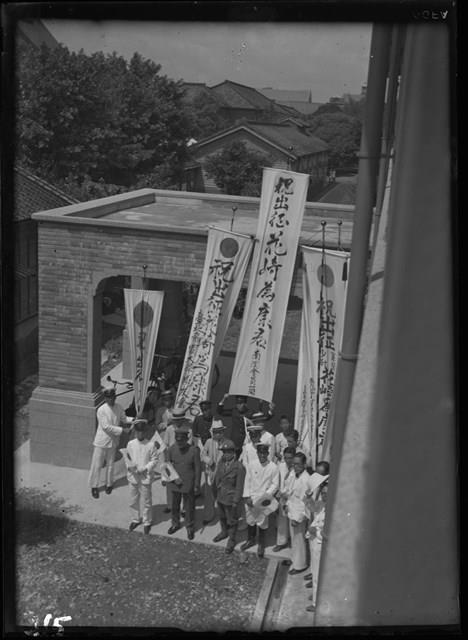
x=230, y=273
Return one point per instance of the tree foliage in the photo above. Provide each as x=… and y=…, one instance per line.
x=98, y=124
x=205, y=116
x=328, y=107
x=237, y=170
x=355, y=109
x=342, y=133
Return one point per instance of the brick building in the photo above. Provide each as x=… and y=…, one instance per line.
x=31, y=194
x=81, y=247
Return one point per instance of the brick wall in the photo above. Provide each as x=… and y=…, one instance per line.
x=71, y=260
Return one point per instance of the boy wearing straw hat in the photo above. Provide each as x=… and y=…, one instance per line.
x=210, y=455
x=228, y=485
x=141, y=456
x=178, y=418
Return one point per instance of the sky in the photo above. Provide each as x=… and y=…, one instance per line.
x=328, y=59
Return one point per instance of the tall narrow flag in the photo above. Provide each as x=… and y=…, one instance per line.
x=281, y=211
x=227, y=257
x=143, y=312
x=324, y=295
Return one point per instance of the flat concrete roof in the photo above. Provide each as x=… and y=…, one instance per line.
x=192, y=213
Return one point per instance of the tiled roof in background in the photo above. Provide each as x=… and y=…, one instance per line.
x=284, y=95
x=341, y=193
x=240, y=96
x=287, y=136
x=195, y=89
x=33, y=194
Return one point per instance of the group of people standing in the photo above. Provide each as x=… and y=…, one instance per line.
x=243, y=472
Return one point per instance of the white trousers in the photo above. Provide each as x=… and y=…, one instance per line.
x=315, y=551
x=298, y=545
x=282, y=528
x=101, y=454
x=141, y=502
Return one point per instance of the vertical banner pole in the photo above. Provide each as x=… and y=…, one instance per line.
x=320, y=346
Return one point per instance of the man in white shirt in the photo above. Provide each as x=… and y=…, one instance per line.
x=261, y=480
x=112, y=421
x=285, y=468
x=319, y=485
x=297, y=489
x=141, y=456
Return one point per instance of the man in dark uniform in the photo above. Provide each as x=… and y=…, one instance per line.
x=241, y=417
x=185, y=458
x=202, y=423
x=228, y=486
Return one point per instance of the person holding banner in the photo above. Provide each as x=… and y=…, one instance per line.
x=141, y=456
x=261, y=484
x=228, y=485
x=185, y=458
x=112, y=422
x=240, y=418
x=211, y=454
x=202, y=423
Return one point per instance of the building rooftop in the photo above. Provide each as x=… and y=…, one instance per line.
x=285, y=136
x=287, y=95
x=192, y=213
x=288, y=135
x=240, y=96
x=34, y=194
x=341, y=193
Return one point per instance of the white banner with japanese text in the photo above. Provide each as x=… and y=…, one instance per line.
x=324, y=297
x=143, y=311
x=279, y=225
x=227, y=257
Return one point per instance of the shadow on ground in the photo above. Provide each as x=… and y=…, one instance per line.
x=41, y=516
